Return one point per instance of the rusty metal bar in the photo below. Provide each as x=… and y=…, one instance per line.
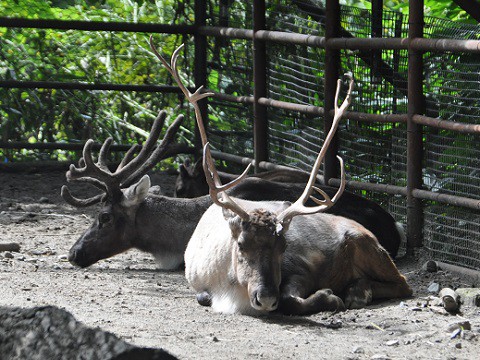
x=174, y=150
x=305, y=109
x=443, y=45
x=368, y=43
x=332, y=71
x=447, y=125
x=95, y=26
x=447, y=199
x=377, y=27
x=350, y=43
x=384, y=188
x=8, y=84
x=313, y=110
x=200, y=66
x=226, y=32
x=416, y=105
x=378, y=118
x=260, y=116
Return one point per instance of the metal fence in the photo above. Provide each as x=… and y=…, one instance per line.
x=410, y=138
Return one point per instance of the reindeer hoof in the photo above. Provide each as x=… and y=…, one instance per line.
x=330, y=301
x=204, y=299
x=358, y=295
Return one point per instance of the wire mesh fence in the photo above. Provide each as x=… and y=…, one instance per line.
x=373, y=152
x=377, y=153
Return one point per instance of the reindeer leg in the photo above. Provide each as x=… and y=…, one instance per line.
x=321, y=300
x=295, y=301
x=380, y=277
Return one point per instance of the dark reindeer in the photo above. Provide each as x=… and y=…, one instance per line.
x=191, y=181
x=253, y=257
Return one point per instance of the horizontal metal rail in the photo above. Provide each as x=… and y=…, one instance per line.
x=174, y=149
x=358, y=185
x=420, y=44
x=86, y=86
x=95, y=26
x=447, y=125
x=447, y=199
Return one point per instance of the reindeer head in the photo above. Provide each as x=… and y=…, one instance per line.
x=190, y=181
x=123, y=191
x=258, y=235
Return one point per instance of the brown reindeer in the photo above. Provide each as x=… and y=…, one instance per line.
x=252, y=257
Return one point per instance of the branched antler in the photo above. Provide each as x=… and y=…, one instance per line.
x=299, y=208
x=217, y=190
x=129, y=170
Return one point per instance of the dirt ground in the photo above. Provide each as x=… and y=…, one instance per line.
x=129, y=297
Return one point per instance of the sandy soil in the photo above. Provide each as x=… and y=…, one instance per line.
x=128, y=296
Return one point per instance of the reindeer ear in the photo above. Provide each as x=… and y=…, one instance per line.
x=198, y=167
x=136, y=193
x=183, y=170
x=234, y=222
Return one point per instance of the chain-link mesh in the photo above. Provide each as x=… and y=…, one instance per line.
x=373, y=152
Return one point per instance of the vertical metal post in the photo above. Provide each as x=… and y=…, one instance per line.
x=416, y=105
x=260, y=121
x=332, y=70
x=377, y=27
x=200, y=66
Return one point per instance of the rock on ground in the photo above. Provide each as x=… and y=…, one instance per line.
x=51, y=333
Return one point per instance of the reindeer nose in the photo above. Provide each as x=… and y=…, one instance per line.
x=263, y=299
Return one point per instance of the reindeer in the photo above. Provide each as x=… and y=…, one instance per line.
x=132, y=216
x=256, y=257
x=368, y=213
x=191, y=181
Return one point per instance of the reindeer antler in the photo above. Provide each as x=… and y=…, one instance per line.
x=129, y=170
x=298, y=207
x=213, y=180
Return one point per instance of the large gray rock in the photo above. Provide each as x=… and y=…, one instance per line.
x=51, y=333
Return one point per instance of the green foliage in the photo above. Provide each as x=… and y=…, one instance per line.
x=47, y=115
x=445, y=9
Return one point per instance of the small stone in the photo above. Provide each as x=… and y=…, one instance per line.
x=8, y=255
x=430, y=266
x=358, y=350
x=392, y=343
x=63, y=257
x=380, y=357
x=56, y=267
x=433, y=288
x=469, y=296
x=31, y=260
x=215, y=339
x=455, y=333
x=462, y=325
x=458, y=345
x=44, y=200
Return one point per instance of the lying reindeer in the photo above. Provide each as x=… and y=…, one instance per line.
x=191, y=181
x=263, y=256
x=131, y=216
x=368, y=213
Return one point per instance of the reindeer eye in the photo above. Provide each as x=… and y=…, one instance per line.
x=104, y=218
x=241, y=245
